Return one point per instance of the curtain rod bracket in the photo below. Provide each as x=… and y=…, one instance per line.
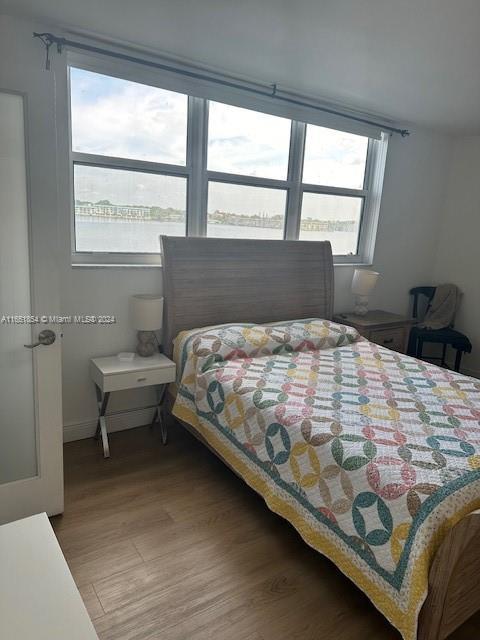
x=48, y=39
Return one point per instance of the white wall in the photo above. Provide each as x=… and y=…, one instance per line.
x=413, y=196
x=99, y=291
x=416, y=172
x=457, y=258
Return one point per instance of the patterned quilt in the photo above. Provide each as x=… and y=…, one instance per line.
x=372, y=455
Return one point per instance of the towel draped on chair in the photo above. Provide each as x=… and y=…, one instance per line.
x=441, y=311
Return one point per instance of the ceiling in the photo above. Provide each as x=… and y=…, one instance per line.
x=415, y=61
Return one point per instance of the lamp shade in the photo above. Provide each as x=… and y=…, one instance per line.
x=364, y=281
x=146, y=312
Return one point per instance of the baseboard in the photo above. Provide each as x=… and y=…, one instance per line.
x=81, y=430
x=474, y=373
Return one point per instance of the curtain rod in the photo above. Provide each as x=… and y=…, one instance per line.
x=49, y=39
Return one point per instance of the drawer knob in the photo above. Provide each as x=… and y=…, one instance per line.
x=389, y=341
x=141, y=379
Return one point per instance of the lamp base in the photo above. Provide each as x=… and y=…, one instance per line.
x=147, y=343
x=361, y=306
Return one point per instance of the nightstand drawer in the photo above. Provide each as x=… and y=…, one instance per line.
x=132, y=379
x=391, y=338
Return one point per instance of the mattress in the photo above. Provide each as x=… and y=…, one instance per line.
x=370, y=454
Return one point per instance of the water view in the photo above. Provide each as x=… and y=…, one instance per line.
x=128, y=235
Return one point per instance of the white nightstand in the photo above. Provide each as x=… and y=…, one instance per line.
x=111, y=374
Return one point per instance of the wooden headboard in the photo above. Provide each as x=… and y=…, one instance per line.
x=209, y=281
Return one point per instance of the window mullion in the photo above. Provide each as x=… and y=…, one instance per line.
x=128, y=164
x=197, y=164
x=295, y=165
x=334, y=191
x=235, y=178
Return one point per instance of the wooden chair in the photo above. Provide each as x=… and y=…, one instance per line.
x=446, y=337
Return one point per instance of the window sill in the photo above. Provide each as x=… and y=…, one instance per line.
x=113, y=265
x=352, y=264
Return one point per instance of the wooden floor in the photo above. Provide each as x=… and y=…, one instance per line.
x=166, y=542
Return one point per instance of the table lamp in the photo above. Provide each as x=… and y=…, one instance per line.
x=146, y=313
x=363, y=284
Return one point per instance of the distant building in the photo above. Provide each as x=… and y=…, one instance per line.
x=112, y=211
x=106, y=209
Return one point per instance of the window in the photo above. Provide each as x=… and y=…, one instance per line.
x=242, y=142
x=247, y=142
x=334, y=218
x=334, y=158
x=129, y=152
x=148, y=160
x=114, y=210
x=239, y=211
x=112, y=117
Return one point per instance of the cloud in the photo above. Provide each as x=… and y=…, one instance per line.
x=247, y=142
x=334, y=158
x=127, y=120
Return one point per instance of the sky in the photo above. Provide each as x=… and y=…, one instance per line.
x=129, y=120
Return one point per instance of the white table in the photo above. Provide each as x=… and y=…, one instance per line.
x=112, y=374
x=38, y=597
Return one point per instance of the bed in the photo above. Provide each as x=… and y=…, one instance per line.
x=374, y=457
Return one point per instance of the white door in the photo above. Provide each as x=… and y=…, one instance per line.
x=31, y=463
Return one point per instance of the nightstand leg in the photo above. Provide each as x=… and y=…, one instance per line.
x=163, y=431
x=159, y=417
x=102, y=401
x=103, y=428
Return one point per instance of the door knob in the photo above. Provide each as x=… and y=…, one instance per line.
x=45, y=337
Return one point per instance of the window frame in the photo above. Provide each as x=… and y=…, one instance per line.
x=198, y=176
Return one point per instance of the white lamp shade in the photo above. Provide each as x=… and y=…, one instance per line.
x=364, y=281
x=146, y=312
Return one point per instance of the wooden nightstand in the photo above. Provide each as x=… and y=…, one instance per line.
x=111, y=374
x=382, y=327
